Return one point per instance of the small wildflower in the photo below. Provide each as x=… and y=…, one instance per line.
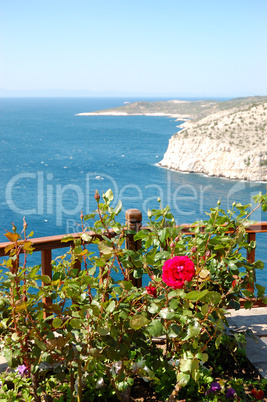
x=214, y=387
x=230, y=393
x=22, y=370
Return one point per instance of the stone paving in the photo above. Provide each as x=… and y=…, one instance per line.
x=256, y=320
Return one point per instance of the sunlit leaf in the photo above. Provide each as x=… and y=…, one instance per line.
x=13, y=237
x=196, y=295
x=138, y=321
x=86, y=237
x=67, y=238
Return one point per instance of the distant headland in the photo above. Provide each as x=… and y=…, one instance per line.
x=218, y=138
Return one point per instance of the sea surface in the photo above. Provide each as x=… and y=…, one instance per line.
x=52, y=161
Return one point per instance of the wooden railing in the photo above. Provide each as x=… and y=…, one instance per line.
x=45, y=245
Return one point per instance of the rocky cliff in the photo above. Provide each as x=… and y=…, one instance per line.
x=231, y=143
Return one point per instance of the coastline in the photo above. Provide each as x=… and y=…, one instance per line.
x=118, y=114
x=212, y=176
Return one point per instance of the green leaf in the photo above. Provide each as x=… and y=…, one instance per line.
x=153, y=308
x=111, y=306
x=102, y=331
x=138, y=321
x=248, y=304
x=260, y=289
x=40, y=345
x=15, y=337
x=183, y=379
x=166, y=314
x=57, y=322
x=213, y=297
x=155, y=328
x=108, y=196
x=185, y=365
x=203, y=357
x=75, y=323
x=196, y=295
x=195, y=369
x=86, y=237
x=173, y=330
x=218, y=341
x=67, y=238
x=193, y=330
x=118, y=208
x=176, y=293
x=127, y=285
x=204, y=309
x=45, y=279
x=258, y=264
x=12, y=359
x=104, y=248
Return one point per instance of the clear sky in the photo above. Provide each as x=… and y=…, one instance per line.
x=182, y=47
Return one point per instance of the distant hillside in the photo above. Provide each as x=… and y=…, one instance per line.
x=195, y=110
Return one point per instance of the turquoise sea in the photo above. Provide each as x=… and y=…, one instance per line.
x=52, y=161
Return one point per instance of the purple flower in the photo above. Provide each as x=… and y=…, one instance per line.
x=22, y=370
x=214, y=387
x=230, y=393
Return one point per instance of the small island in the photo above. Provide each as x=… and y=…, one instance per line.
x=218, y=138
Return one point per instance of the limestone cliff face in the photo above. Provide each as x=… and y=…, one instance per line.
x=210, y=157
x=232, y=146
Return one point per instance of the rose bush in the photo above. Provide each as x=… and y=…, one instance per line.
x=99, y=333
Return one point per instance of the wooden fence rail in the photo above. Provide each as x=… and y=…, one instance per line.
x=134, y=222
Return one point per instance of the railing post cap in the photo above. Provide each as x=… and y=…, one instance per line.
x=133, y=215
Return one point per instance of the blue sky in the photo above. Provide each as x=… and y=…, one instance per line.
x=179, y=47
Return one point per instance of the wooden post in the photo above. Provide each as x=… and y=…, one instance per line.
x=133, y=222
x=46, y=257
x=251, y=258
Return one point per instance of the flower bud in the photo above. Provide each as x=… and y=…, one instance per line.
x=97, y=196
x=149, y=213
x=24, y=224
x=193, y=250
x=207, y=254
x=172, y=245
x=159, y=199
x=177, y=239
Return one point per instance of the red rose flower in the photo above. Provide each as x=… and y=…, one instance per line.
x=257, y=394
x=151, y=290
x=177, y=270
